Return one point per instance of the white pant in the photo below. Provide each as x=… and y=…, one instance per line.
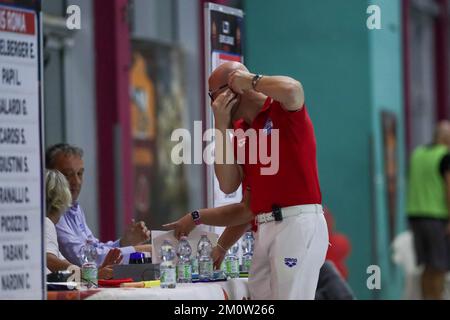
x=287, y=258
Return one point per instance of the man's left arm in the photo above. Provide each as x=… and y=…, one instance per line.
x=103, y=248
x=228, y=238
x=288, y=91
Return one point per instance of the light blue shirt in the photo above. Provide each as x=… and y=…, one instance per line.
x=73, y=232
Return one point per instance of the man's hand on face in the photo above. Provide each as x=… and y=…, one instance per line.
x=181, y=227
x=222, y=107
x=240, y=81
x=135, y=234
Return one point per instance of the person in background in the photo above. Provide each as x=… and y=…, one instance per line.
x=428, y=210
x=72, y=229
x=58, y=199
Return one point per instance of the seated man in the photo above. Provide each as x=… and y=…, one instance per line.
x=58, y=199
x=72, y=228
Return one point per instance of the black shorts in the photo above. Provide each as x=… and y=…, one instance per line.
x=431, y=242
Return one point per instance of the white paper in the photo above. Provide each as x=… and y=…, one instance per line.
x=158, y=238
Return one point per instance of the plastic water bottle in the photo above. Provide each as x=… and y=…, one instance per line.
x=232, y=262
x=89, y=271
x=194, y=264
x=223, y=266
x=184, y=268
x=248, y=244
x=205, y=262
x=167, y=267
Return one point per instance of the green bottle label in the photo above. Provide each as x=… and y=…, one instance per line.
x=184, y=272
x=232, y=267
x=167, y=276
x=247, y=264
x=89, y=276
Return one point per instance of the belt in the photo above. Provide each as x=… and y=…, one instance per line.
x=278, y=214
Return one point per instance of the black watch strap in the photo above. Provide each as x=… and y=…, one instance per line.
x=255, y=81
x=196, y=217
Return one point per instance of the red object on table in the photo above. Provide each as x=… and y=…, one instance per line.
x=113, y=283
x=340, y=246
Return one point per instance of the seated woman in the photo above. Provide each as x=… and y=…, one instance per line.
x=58, y=200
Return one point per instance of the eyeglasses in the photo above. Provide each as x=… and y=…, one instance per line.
x=212, y=93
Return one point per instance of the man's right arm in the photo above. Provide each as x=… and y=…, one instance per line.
x=70, y=242
x=228, y=172
x=230, y=215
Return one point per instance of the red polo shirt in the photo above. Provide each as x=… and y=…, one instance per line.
x=296, y=182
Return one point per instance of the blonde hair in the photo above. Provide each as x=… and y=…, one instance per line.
x=58, y=193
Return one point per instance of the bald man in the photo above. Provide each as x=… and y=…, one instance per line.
x=428, y=210
x=291, y=240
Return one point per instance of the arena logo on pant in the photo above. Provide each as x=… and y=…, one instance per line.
x=290, y=262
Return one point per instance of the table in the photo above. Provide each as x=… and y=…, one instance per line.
x=236, y=289
x=232, y=289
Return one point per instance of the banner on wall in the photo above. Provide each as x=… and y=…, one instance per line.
x=157, y=101
x=21, y=152
x=223, y=42
x=390, y=142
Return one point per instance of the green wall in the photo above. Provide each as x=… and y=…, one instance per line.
x=327, y=46
x=387, y=95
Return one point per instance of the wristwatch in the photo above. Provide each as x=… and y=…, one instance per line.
x=255, y=80
x=196, y=217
